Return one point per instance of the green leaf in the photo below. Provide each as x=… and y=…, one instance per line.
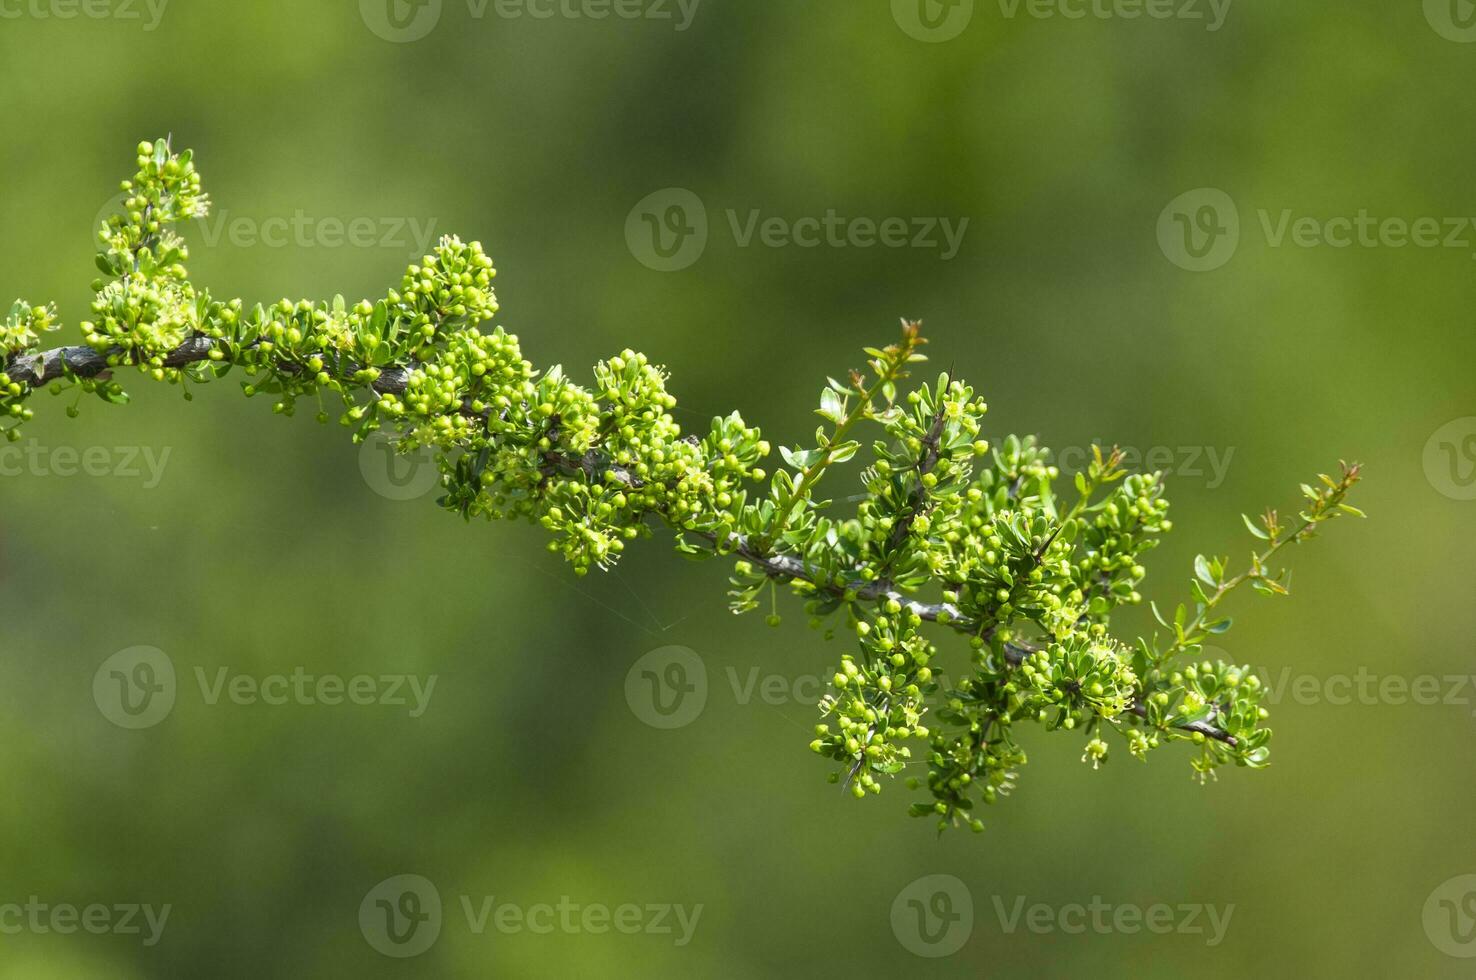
x=1202, y=569
x=1251, y=526
x=801, y=459
x=831, y=406
x=843, y=452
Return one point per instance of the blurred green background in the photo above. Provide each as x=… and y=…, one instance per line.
x=531, y=775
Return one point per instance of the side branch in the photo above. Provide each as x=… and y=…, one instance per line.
x=789, y=567
x=44, y=367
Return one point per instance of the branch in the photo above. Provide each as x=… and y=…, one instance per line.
x=44, y=367
x=917, y=499
x=41, y=368
x=601, y=466
x=789, y=567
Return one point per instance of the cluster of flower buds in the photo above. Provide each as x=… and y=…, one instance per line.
x=878, y=702
x=948, y=531
x=985, y=542
x=20, y=332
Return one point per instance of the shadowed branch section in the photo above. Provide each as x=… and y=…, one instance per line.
x=1021, y=566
